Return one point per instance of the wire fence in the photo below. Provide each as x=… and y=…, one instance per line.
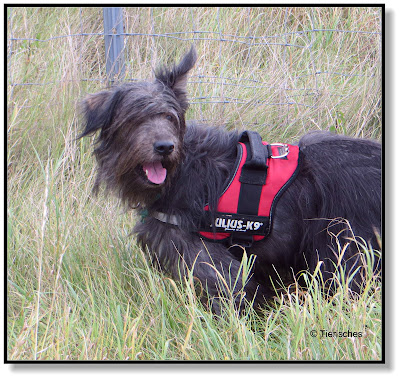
x=292, y=63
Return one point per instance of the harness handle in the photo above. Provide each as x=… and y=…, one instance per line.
x=254, y=170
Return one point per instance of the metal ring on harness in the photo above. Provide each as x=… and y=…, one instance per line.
x=285, y=151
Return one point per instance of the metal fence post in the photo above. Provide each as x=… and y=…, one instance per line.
x=114, y=43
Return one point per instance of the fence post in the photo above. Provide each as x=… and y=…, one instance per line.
x=114, y=43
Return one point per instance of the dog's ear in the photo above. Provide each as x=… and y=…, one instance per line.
x=176, y=77
x=98, y=110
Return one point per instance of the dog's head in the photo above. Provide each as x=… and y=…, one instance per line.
x=141, y=128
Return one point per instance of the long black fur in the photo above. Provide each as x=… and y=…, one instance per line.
x=335, y=197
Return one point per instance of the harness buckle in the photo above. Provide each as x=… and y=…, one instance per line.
x=285, y=150
x=242, y=241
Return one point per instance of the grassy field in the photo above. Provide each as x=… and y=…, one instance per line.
x=78, y=287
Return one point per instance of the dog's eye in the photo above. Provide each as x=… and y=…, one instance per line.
x=169, y=117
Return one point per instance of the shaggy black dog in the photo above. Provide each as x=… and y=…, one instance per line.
x=169, y=171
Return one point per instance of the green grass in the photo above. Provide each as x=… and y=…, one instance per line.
x=78, y=287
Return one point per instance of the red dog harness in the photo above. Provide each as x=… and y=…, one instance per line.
x=245, y=209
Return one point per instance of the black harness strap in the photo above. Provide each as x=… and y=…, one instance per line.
x=252, y=178
x=254, y=170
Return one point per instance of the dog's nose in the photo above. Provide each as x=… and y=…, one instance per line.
x=163, y=147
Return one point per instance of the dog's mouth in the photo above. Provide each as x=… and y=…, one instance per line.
x=155, y=172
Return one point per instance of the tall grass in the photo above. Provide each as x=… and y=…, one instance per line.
x=78, y=288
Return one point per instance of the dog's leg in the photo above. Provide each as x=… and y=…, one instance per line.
x=182, y=254
x=221, y=274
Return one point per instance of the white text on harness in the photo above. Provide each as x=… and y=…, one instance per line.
x=237, y=224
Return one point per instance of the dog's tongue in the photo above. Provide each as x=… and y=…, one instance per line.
x=155, y=172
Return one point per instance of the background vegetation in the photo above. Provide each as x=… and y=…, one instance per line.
x=78, y=288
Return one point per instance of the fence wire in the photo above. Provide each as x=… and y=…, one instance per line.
x=292, y=40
